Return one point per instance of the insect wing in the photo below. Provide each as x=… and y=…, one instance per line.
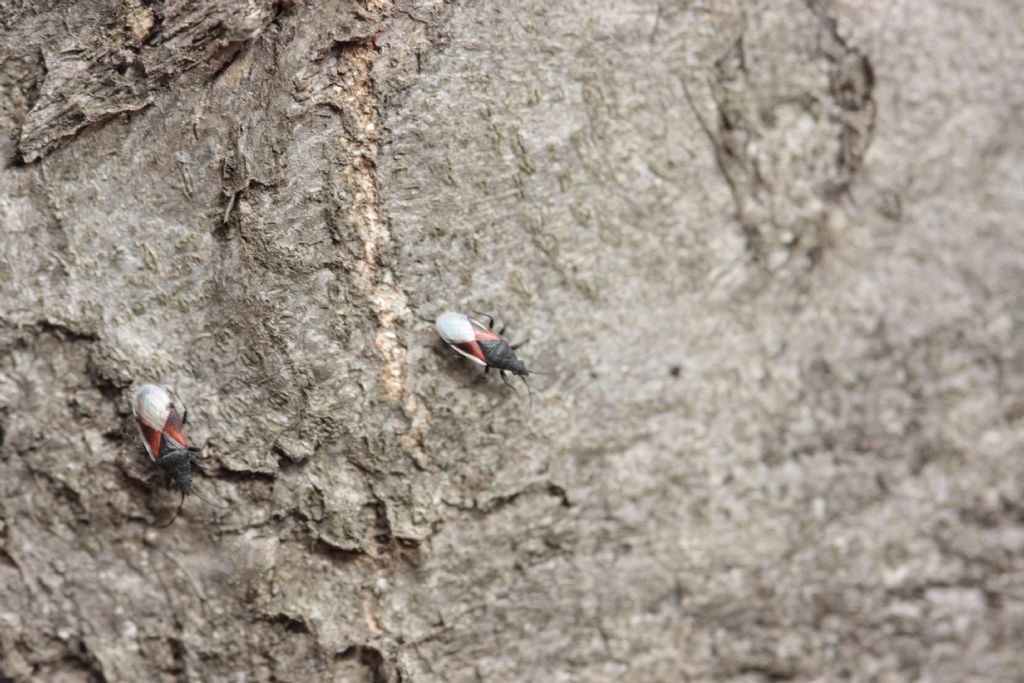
x=459, y=332
x=173, y=428
x=150, y=439
x=472, y=351
x=483, y=333
x=157, y=416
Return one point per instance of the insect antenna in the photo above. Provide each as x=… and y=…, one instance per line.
x=529, y=392
x=208, y=501
x=177, y=512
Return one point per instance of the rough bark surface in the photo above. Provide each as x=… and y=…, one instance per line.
x=770, y=255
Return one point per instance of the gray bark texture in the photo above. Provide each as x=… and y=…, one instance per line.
x=769, y=255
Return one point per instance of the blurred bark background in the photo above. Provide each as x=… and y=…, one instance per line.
x=771, y=254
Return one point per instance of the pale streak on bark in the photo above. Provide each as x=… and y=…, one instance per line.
x=377, y=282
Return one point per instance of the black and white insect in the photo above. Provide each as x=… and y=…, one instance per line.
x=162, y=429
x=483, y=345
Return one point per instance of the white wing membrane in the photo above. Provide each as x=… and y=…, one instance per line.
x=455, y=328
x=152, y=406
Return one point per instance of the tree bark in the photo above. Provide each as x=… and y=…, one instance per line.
x=769, y=257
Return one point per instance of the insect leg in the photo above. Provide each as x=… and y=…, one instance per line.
x=199, y=466
x=504, y=378
x=178, y=512
x=490, y=319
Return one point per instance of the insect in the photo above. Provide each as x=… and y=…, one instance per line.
x=163, y=438
x=482, y=345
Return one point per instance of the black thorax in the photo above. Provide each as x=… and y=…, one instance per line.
x=500, y=355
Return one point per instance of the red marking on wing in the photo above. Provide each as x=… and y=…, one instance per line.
x=472, y=349
x=152, y=439
x=173, y=428
x=484, y=333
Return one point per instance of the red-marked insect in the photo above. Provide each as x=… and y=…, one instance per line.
x=483, y=345
x=163, y=437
